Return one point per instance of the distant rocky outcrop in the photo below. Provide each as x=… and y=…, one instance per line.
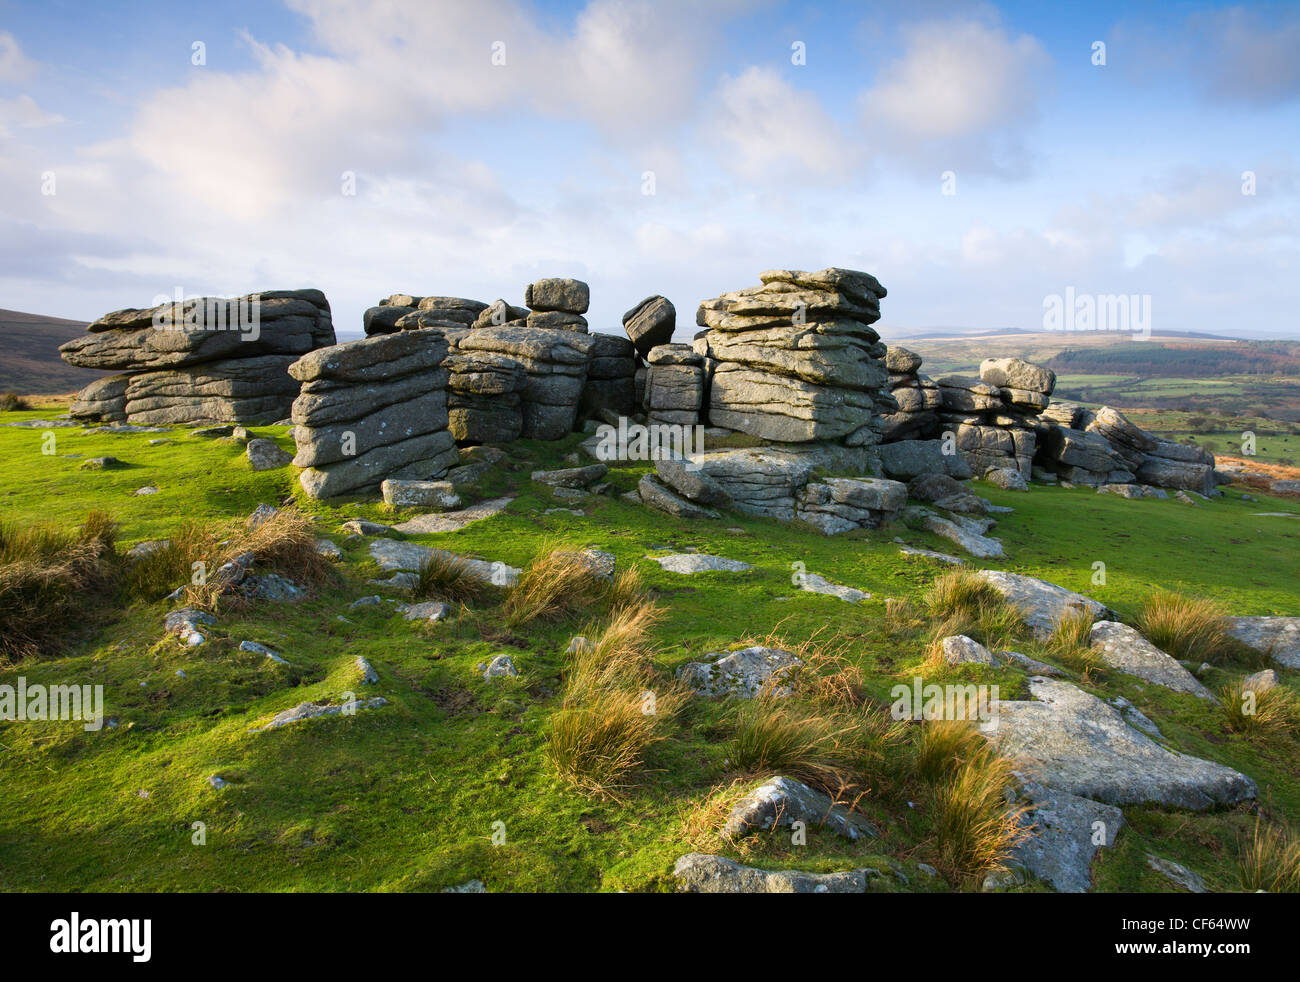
x=210, y=359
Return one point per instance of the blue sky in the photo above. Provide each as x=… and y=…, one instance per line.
x=473, y=178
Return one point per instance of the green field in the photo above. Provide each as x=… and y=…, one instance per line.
x=408, y=796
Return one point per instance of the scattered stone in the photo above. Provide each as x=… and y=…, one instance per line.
x=578, y=645
x=688, y=563
x=329, y=550
x=501, y=665
x=359, y=526
x=185, y=624
x=469, y=886
x=978, y=545
x=942, y=557
x=101, y=464
x=142, y=549
x=371, y=601
x=702, y=873
x=217, y=782
x=743, y=673
x=274, y=587
x=1006, y=478
x=655, y=494
x=961, y=650
x=313, y=710
x=782, y=801
x=368, y=674
x=260, y=514
x=429, y=610
x=148, y=489
x=420, y=494
x=452, y=521
x=813, y=583
x=266, y=455
x=260, y=649
x=1277, y=637
x=1031, y=665
x=394, y=556
x=1261, y=681
x=1177, y=874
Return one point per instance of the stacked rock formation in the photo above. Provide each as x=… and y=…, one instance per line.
x=611, y=373
x=918, y=397
x=205, y=360
x=796, y=358
x=674, y=385
x=558, y=304
x=993, y=418
x=1105, y=447
x=370, y=410
x=403, y=312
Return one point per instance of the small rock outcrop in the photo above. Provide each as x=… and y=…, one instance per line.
x=207, y=359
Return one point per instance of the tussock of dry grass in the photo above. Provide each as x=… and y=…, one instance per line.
x=46, y=575
x=285, y=543
x=1071, y=644
x=944, y=745
x=614, y=705
x=961, y=591
x=449, y=578
x=1188, y=628
x=158, y=573
x=1264, y=714
x=12, y=402
x=975, y=830
x=556, y=585
x=1269, y=860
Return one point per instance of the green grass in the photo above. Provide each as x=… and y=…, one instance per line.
x=408, y=796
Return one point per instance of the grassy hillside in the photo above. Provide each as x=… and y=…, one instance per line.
x=408, y=796
x=29, y=354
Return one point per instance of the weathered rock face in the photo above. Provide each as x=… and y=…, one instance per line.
x=796, y=359
x=701, y=873
x=776, y=482
x=554, y=373
x=907, y=459
x=1043, y=604
x=1277, y=637
x=919, y=398
x=209, y=359
x=1065, y=840
x=1124, y=649
x=103, y=400
x=650, y=323
x=674, y=387
x=1068, y=739
x=370, y=410
x=611, y=373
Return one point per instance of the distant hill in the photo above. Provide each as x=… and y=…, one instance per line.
x=1183, y=360
x=29, y=354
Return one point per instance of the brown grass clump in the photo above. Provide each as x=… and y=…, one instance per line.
x=1071, y=644
x=47, y=577
x=614, y=706
x=449, y=578
x=1264, y=714
x=944, y=745
x=1188, y=628
x=1269, y=860
x=556, y=585
x=12, y=402
x=975, y=830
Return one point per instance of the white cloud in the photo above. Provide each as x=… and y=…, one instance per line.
x=957, y=97
x=14, y=65
x=771, y=129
